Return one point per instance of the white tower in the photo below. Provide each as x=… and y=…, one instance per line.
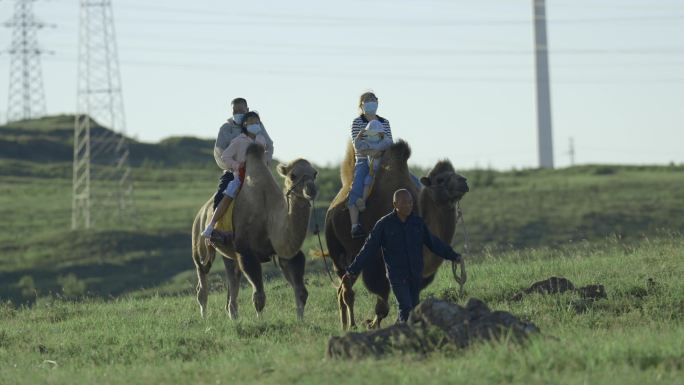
x=541, y=54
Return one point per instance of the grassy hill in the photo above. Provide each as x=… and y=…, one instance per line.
x=512, y=210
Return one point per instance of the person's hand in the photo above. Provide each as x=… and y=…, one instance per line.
x=459, y=258
x=361, y=134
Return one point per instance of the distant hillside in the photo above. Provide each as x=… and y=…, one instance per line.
x=50, y=139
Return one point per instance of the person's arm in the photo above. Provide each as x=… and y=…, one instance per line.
x=268, y=147
x=221, y=144
x=388, y=130
x=384, y=144
x=370, y=248
x=438, y=247
x=228, y=156
x=268, y=153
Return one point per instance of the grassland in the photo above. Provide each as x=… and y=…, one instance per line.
x=115, y=304
x=636, y=336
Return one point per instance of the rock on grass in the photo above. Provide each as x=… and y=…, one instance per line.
x=433, y=325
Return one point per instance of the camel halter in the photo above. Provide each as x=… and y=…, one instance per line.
x=316, y=230
x=461, y=280
x=294, y=185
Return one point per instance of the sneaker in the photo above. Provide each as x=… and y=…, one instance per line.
x=207, y=232
x=360, y=204
x=357, y=232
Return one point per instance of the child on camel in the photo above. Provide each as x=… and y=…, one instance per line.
x=234, y=156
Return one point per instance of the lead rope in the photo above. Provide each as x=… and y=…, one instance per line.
x=317, y=232
x=461, y=280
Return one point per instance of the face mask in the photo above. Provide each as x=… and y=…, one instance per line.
x=370, y=107
x=254, y=128
x=237, y=118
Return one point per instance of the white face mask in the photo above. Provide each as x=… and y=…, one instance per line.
x=370, y=107
x=237, y=118
x=254, y=128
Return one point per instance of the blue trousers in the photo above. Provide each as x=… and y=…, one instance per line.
x=362, y=177
x=408, y=296
x=361, y=171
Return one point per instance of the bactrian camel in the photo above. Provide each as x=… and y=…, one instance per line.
x=269, y=222
x=444, y=189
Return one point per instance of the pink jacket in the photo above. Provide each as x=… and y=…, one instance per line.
x=236, y=152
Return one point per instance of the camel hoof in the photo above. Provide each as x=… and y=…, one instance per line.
x=233, y=314
x=259, y=300
x=372, y=324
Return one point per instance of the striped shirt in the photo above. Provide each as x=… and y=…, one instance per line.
x=361, y=122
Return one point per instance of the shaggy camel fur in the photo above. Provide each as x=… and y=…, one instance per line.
x=269, y=222
x=443, y=188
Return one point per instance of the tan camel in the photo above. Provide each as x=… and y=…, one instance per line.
x=444, y=189
x=269, y=222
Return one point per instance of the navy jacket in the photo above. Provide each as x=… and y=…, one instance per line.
x=402, y=247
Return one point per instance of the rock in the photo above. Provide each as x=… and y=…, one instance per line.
x=592, y=292
x=433, y=325
x=557, y=285
x=396, y=338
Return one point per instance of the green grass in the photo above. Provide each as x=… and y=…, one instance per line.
x=629, y=338
x=503, y=212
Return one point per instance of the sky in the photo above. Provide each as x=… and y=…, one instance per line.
x=454, y=77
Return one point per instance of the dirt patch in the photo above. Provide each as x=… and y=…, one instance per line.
x=557, y=285
x=433, y=325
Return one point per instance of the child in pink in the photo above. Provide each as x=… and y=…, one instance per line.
x=234, y=156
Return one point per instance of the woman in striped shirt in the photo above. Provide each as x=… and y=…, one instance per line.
x=368, y=106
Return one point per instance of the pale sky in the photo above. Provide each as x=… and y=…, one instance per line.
x=454, y=77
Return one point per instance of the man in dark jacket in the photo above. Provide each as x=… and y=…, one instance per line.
x=401, y=236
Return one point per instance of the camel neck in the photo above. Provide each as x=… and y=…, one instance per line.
x=290, y=227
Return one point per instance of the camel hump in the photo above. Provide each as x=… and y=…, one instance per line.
x=400, y=150
x=255, y=150
x=347, y=166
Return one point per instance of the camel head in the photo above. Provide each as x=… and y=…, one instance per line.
x=300, y=178
x=444, y=185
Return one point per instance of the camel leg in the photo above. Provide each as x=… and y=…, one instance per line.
x=233, y=278
x=381, y=288
x=381, y=311
x=293, y=269
x=344, y=321
x=202, y=287
x=252, y=269
x=347, y=296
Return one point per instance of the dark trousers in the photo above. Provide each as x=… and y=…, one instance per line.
x=226, y=178
x=407, y=294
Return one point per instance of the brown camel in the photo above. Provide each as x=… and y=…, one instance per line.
x=269, y=222
x=443, y=189
x=393, y=175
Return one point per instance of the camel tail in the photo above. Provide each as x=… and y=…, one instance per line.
x=197, y=242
